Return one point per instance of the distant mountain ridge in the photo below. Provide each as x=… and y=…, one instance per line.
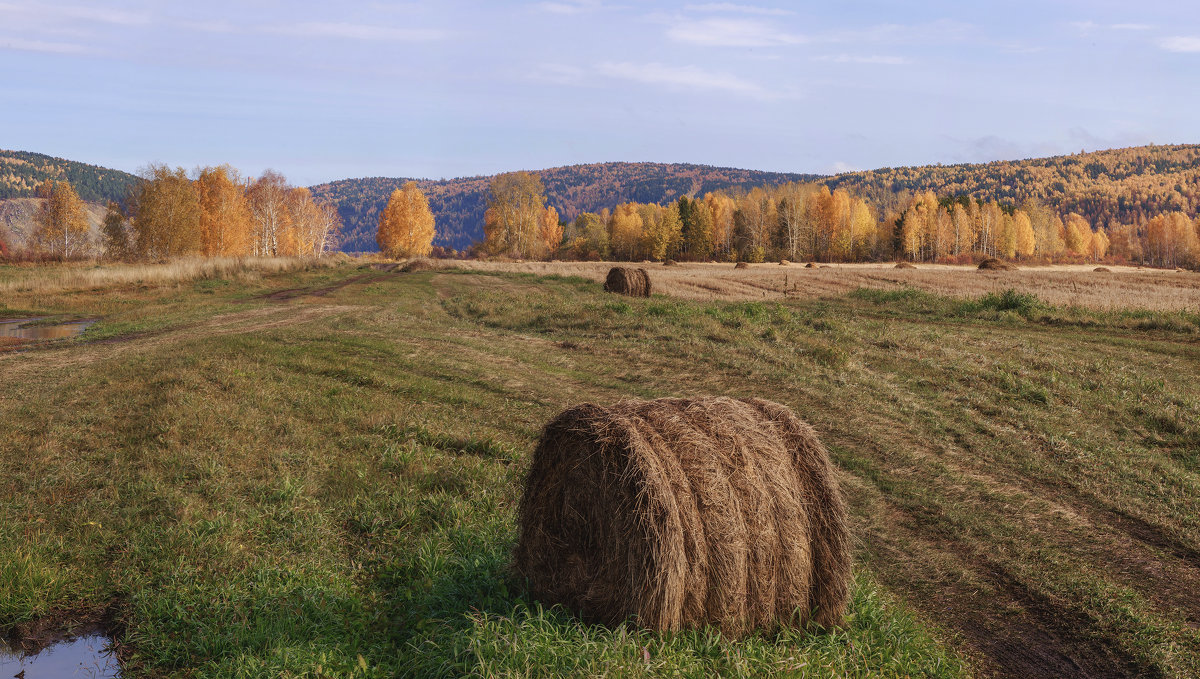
x=22, y=171
x=1127, y=186
x=458, y=204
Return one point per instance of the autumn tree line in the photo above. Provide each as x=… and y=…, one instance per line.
x=800, y=222
x=212, y=212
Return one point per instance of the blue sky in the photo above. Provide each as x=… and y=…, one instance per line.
x=323, y=90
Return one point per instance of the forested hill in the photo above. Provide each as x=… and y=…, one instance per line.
x=1126, y=186
x=22, y=171
x=458, y=204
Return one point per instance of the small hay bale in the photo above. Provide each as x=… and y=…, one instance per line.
x=741, y=265
x=679, y=513
x=784, y=262
x=1102, y=269
x=904, y=265
x=670, y=262
x=810, y=265
x=420, y=264
x=993, y=264
x=626, y=280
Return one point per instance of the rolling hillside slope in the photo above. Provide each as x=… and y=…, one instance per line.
x=22, y=171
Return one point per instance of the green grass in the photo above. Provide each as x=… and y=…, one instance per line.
x=334, y=495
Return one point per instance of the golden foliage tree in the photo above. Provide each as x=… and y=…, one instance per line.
x=406, y=226
x=1079, y=235
x=514, y=210
x=1026, y=239
x=166, y=221
x=270, y=218
x=225, y=219
x=60, y=223
x=550, y=230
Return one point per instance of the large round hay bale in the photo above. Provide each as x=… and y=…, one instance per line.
x=741, y=265
x=784, y=262
x=993, y=264
x=678, y=513
x=810, y=265
x=670, y=262
x=1102, y=269
x=904, y=265
x=627, y=280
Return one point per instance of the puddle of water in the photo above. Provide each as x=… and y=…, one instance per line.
x=86, y=657
x=18, y=328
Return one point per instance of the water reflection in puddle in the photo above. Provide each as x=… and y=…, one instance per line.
x=20, y=329
x=88, y=657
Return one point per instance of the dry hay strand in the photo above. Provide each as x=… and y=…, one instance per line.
x=810, y=265
x=993, y=264
x=421, y=264
x=679, y=513
x=904, y=265
x=741, y=265
x=1102, y=269
x=627, y=280
x=670, y=262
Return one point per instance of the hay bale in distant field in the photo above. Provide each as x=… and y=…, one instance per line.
x=627, y=280
x=421, y=264
x=670, y=262
x=677, y=513
x=810, y=265
x=784, y=262
x=741, y=265
x=904, y=265
x=993, y=264
x=1101, y=269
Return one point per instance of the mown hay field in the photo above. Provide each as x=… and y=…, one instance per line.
x=1066, y=285
x=316, y=471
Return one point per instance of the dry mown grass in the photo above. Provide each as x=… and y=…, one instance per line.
x=1061, y=285
x=86, y=276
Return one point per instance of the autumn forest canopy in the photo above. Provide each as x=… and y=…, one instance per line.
x=1136, y=205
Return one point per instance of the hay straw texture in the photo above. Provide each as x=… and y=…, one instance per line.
x=628, y=281
x=677, y=513
x=993, y=264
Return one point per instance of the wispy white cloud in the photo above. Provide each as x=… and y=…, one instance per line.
x=49, y=13
x=731, y=33
x=862, y=59
x=1180, y=43
x=358, y=32
x=40, y=46
x=1086, y=27
x=687, y=77
x=736, y=8
x=558, y=74
x=571, y=6
x=941, y=31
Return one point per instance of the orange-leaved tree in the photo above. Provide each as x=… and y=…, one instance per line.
x=224, y=212
x=166, y=214
x=406, y=225
x=60, y=223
